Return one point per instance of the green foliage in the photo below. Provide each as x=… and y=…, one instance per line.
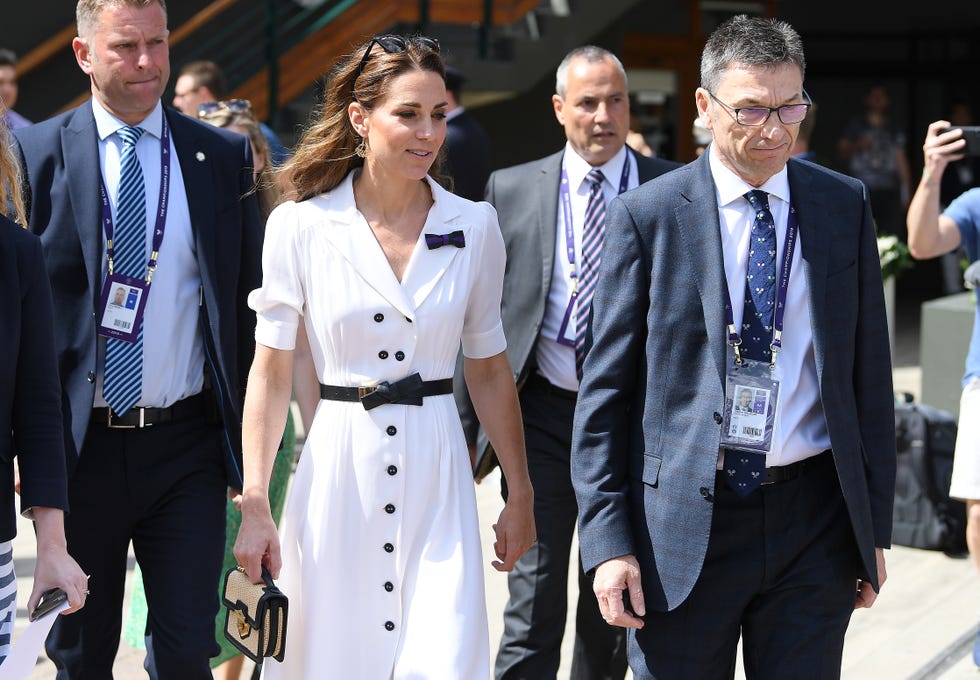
x=894, y=256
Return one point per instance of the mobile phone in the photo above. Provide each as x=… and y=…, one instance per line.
x=971, y=133
x=50, y=600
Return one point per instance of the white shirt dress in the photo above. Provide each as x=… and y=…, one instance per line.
x=381, y=551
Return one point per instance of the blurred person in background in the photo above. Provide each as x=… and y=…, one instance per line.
x=9, y=91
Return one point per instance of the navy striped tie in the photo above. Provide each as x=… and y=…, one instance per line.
x=592, y=234
x=123, y=385
x=746, y=471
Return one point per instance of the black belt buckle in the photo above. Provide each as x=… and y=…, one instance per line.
x=139, y=424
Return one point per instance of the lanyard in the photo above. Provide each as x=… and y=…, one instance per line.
x=734, y=339
x=566, y=204
x=161, y=219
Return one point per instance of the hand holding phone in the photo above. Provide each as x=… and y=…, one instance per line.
x=971, y=133
x=50, y=600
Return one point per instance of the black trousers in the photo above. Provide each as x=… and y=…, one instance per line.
x=164, y=489
x=781, y=571
x=536, y=611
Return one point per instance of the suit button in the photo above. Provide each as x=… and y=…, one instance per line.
x=392, y=430
x=91, y=376
x=382, y=354
x=390, y=509
x=400, y=356
x=392, y=470
x=379, y=317
x=389, y=625
x=389, y=548
x=718, y=417
x=389, y=586
x=706, y=495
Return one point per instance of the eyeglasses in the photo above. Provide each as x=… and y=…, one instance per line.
x=396, y=44
x=754, y=116
x=231, y=105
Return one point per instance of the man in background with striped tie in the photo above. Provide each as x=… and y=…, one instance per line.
x=125, y=193
x=552, y=214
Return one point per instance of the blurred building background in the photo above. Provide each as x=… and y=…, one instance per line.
x=276, y=53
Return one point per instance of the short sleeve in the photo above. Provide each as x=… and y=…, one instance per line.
x=483, y=332
x=278, y=304
x=965, y=212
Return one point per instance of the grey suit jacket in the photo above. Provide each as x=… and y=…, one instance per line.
x=647, y=433
x=526, y=199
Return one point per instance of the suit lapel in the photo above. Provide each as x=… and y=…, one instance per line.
x=700, y=231
x=80, y=147
x=548, y=186
x=195, y=169
x=810, y=213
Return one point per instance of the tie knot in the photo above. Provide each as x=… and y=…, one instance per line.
x=758, y=199
x=130, y=134
x=595, y=176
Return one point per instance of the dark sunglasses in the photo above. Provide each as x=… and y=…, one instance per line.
x=395, y=44
x=231, y=105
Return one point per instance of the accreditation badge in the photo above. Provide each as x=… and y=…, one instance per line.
x=751, y=395
x=122, y=303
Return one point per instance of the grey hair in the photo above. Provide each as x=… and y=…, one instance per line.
x=87, y=11
x=750, y=41
x=592, y=55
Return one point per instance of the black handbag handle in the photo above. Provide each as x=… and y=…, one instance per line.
x=266, y=575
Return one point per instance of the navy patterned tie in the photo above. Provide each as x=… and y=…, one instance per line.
x=592, y=234
x=746, y=471
x=123, y=384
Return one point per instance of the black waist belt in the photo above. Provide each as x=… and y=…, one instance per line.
x=136, y=417
x=408, y=390
x=784, y=473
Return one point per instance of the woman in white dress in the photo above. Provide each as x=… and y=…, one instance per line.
x=379, y=550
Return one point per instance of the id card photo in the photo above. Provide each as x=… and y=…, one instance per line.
x=749, y=410
x=122, y=308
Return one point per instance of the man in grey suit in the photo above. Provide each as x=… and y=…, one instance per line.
x=543, y=221
x=693, y=545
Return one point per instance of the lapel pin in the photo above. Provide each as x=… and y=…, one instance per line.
x=200, y=156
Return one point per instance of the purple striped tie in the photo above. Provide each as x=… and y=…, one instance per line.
x=592, y=234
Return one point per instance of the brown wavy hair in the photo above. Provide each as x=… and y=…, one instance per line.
x=11, y=198
x=325, y=153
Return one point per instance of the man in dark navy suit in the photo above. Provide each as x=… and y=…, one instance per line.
x=468, y=148
x=153, y=438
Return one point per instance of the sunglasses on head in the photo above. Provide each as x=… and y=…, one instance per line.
x=395, y=44
x=231, y=105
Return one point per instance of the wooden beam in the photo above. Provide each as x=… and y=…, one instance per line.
x=50, y=47
x=62, y=39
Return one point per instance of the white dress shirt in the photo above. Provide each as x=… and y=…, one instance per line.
x=556, y=362
x=173, y=348
x=800, y=427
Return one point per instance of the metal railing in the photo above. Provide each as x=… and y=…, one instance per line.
x=253, y=36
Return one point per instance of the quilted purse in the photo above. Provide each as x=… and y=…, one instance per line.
x=256, y=619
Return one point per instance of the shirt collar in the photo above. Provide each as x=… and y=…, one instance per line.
x=730, y=187
x=458, y=111
x=107, y=124
x=577, y=167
